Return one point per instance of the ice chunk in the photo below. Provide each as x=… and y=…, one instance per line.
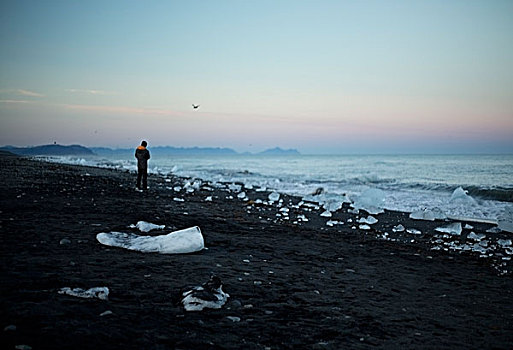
x=504, y=243
x=414, y=231
x=475, y=237
x=460, y=196
x=453, y=229
x=331, y=223
x=178, y=242
x=96, y=292
x=326, y=214
x=505, y=220
x=371, y=200
x=208, y=199
x=468, y=227
x=144, y=226
x=241, y=195
x=176, y=199
x=370, y=220
x=209, y=295
x=177, y=188
x=364, y=227
x=426, y=214
x=274, y=196
x=398, y=228
x=234, y=187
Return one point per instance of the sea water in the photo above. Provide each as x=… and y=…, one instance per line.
x=410, y=182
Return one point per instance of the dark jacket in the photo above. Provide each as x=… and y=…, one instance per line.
x=142, y=155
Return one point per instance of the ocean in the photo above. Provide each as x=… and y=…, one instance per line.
x=409, y=182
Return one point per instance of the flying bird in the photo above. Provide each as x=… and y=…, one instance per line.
x=195, y=106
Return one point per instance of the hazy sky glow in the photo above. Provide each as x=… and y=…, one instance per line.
x=319, y=76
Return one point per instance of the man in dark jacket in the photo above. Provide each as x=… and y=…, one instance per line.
x=142, y=155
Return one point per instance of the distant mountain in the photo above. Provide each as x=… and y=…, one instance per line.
x=277, y=151
x=50, y=150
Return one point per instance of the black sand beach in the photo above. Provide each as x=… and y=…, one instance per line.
x=291, y=286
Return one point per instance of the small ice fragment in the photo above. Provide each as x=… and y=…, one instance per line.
x=331, y=223
x=274, y=196
x=208, y=199
x=326, y=214
x=494, y=229
x=398, y=228
x=96, y=292
x=209, y=295
x=233, y=318
x=241, y=195
x=176, y=199
x=144, y=226
x=364, y=227
x=468, y=227
x=177, y=188
x=108, y=312
x=353, y=211
x=504, y=242
x=475, y=237
x=370, y=220
x=414, y=231
x=453, y=229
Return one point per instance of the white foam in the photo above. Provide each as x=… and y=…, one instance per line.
x=178, y=242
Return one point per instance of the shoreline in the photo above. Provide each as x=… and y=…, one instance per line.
x=304, y=285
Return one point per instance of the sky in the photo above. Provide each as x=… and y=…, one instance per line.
x=320, y=76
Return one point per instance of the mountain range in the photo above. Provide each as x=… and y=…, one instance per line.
x=78, y=150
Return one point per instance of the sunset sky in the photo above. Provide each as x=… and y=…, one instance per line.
x=318, y=76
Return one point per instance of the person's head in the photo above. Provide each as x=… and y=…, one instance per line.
x=144, y=143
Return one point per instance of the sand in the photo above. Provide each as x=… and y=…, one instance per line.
x=291, y=286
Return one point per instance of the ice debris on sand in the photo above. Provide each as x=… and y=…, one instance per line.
x=398, y=228
x=429, y=215
x=505, y=220
x=371, y=200
x=209, y=295
x=274, y=196
x=452, y=229
x=144, y=226
x=370, y=220
x=326, y=214
x=460, y=196
x=184, y=241
x=96, y=292
x=476, y=237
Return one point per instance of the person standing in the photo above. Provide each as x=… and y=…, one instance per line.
x=142, y=155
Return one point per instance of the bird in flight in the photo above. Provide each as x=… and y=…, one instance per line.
x=195, y=106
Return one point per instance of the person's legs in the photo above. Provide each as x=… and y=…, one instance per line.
x=139, y=176
x=145, y=179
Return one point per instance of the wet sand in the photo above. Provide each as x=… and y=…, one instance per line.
x=291, y=286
